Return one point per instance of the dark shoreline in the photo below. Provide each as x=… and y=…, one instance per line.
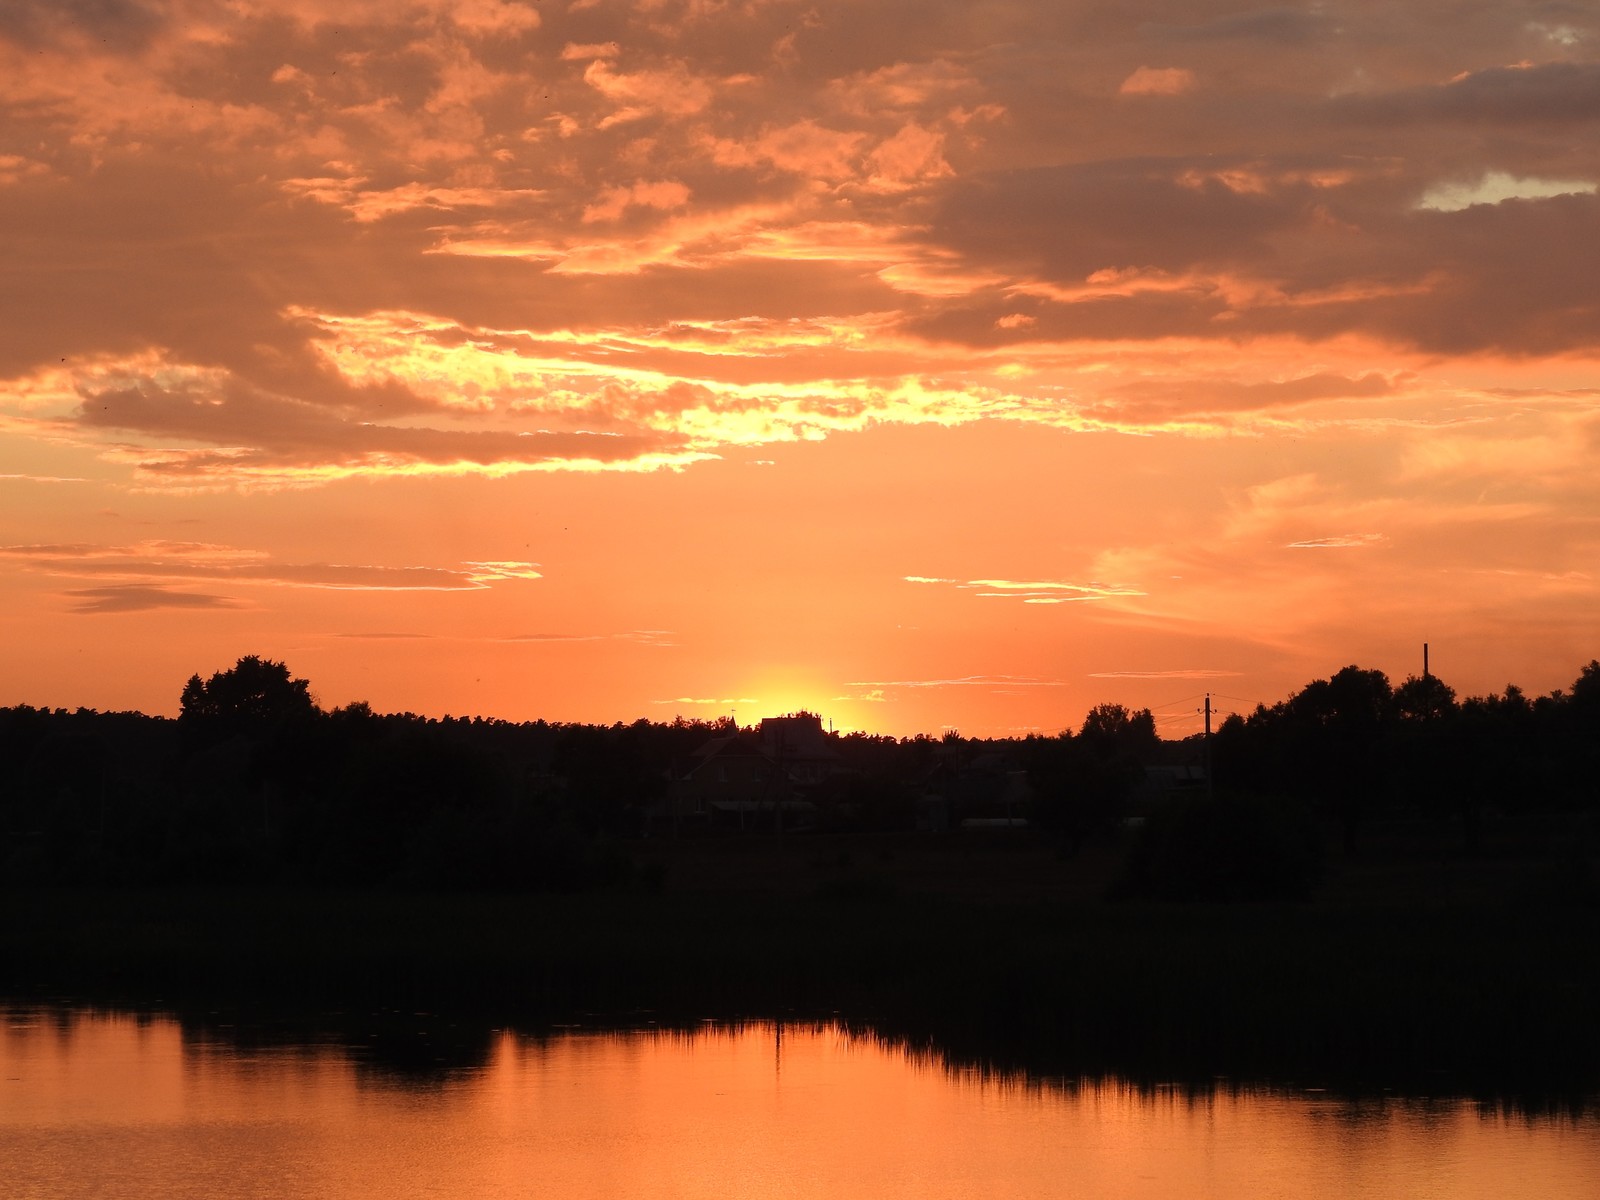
x=1494, y=1001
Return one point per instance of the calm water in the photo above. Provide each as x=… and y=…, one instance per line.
x=109, y=1106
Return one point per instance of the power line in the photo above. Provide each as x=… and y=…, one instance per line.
x=1172, y=703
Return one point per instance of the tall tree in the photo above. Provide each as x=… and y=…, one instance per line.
x=253, y=693
x=1112, y=730
x=1424, y=698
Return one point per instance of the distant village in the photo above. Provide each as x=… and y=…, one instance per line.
x=788, y=773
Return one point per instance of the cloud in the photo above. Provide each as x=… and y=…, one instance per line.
x=1016, y=321
x=913, y=156
x=844, y=186
x=375, y=204
x=1344, y=541
x=1155, y=400
x=14, y=169
x=128, y=598
x=1555, y=94
x=902, y=86
x=494, y=17
x=577, y=51
x=669, y=90
x=1157, y=81
x=252, y=435
x=614, y=201
x=1289, y=26
x=160, y=560
x=709, y=701
x=805, y=147
x=1121, y=212
x=1033, y=592
x=1496, y=186
x=124, y=25
x=874, y=696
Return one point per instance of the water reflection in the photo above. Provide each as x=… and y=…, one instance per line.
x=116, y=1105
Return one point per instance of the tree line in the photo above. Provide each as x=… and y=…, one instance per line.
x=254, y=782
x=1359, y=750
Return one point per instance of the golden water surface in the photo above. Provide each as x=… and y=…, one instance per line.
x=112, y=1106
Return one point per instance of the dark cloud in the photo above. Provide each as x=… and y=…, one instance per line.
x=1517, y=276
x=262, y=431
x=126, y=598
x=1071, y=221
x=120, y=25
x=318, y=575
x=1285, y=26
x=173, y=560
x=1272, y=245
x=1556, y=93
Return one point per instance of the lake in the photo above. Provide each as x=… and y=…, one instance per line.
x=118, y=1107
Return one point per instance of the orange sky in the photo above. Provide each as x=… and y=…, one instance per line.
x=928, y=363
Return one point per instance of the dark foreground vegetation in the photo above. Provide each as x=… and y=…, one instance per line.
x=1389, y=889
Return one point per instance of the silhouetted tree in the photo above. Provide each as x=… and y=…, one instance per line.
x=1113, y=731
x=1355, y=701
x=253, y=693
x=1337, y=731
x=1111, y=750
x=1585, y=693
x=1425, y=698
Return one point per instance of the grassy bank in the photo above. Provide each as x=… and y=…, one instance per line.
x=1462, y=997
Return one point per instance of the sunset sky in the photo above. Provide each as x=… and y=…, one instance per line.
x=926, y=363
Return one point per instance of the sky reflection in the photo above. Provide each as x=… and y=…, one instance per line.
x=122, y=1107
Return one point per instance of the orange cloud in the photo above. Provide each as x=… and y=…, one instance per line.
x=671, y=90
x=803, y=148
x=613, y=202
x=902, y=86
x=912, y=157
x=494, y=17
x=1157, y=81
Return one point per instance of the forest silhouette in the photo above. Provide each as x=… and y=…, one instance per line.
x=253, y=782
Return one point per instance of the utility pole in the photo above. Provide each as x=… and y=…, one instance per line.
x=1425, y=660
x=1208, y=747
